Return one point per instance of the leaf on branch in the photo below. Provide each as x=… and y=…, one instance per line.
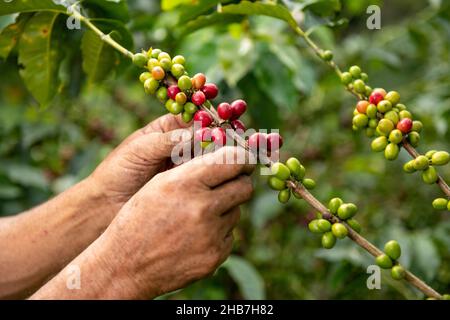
x=206, y=21
x=111, y=9
x=9, y=36
x=17, y=6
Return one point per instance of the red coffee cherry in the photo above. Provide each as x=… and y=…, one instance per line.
x=238, y=125
x=405, y=125
x=224, y=110
x=376, y=97
x=198, y=81
x=218, y=136
x=172, y=91
x=203, y=117
x=257, y=140
x=274, y=141
x=210, y=90
x=198, y=98
x=238, y=107
x=203, y=134
x=362, y=105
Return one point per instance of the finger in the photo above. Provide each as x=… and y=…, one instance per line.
x=166, y=123
x=232, y=194
x=230, y=220
x=226, y=248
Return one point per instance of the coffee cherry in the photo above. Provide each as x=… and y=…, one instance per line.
x=383, y=261
x=186, y=117
x=430, y=175
x=164, y=55
x=140, y=60
x=224, y=111
x=368, y=91
x=395, y=136
x=161, y=94
x=373, y=123
x=405, y=114
x=364, y=77
x=334, y=205
x=238, y=125
x=400, y=106
x=346, y=78
x=203, y=134
x=359, y=86
x=385, y=126
x=354, y=225
x=393, y=97
x=324, y=225
x=198, y=81
x=158, y=73
x=309, y=184
x=150, y=86
x=238, y=108
x=409, y=167
x=370, y=132
x=181, y=98
x=360, y=120
x=172, y=91
x=313, y=226
x=339, y=230
x=218, y=136
x=274, y=141
x=179, y=60
x=198, y=98
x=177, y=70
x=257, y=140
x=347, y=211
x=191, y=108
x=280, y=171
x=327, y=55
x=430, y=153
x=168, y=104
x=393, y=116
x=296, y=168
x=362, y=105
x=405, y=125
x=203, y=117
x=276, y=184
x=417, y=126
x=284, y=195
x=184, y=83
x=210, y=90
x=440, y=158
x=144, y=76
x=414, y=138
x=384, y=106
x=421, y=163
x=153, y=63
x=328, y=240
x=376, y=97
x=166, y=64
x=398, y=272
x=391, y=152
x=379, y=144
x=392, y=249
x=371, y=111
x=155, y=52
x=355, y=71
x=440, y=203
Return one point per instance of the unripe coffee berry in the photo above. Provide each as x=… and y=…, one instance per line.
x=347, y=211
x=158, y=73
x=203, y=117
x=210, y=90
x=362, y=105
x=327, y=55
x=284, y=195
x=379, y=144
x=296, y=168
x=440, y=203
x=166, y=64
x=238, y=125
x=309, y=184
x=218, y=136
x=364, y=77
x=274, y=141
x=371, y=111
x=396, y=136
x=405, y=125
x=440, y=158
x=328, y=240
x=179, y=60
x=224, y=111
x=376, y=97
x=198, y=81
x=383, y=261
x=164, y=55
x=181, y=98
x=144, y=76
x=368, y=91
x=153, y=63
x=334, y=205
x=354, y=225
x=393, y=116
x=359, y=86
x=238, y=107
x=414, y=138
x=391, y=152
x=360, y=120
x=430, y=175
x=346, y=78
x=355, y=71
x=172, y=91
x=408, y=167
x=393, y=97
x=417, y=126
x=313, y=226
x=186, y=117
x=155, y=52
x=191, y=108
x=280, y=171
x=184, y=83
x=175, y=108
x=339, y=230
x=398, y=272
x=257, y=141
x=392, y=249
x=151, y=85
x=384, y=106
x=198, y=98
x=177, y=70
x=385, y=126
x=161, y=94
x=324, y=225
x=405, y=114
x=140, y=60
x=276, y=184
x=421, y=163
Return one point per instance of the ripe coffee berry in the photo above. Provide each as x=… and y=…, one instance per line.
x=392, y=249
x=224, y=111
x=172, y=91
x=361, y=106
x=203, y=117
x=405, y=125
x=238, y=125
x=274, y=141
x=210, y=90
x=257, y=141
x=158, y=73
x=198, y=98
x=198, y=81
x=238, y=108
x=376, y=97
x=218, y=136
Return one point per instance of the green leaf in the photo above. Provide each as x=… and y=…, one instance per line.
x=40, y=55
x=10, y=35
x=16, y=6
x=190, y=12
x=167, y=5
x=322, y=7
x=258, y=8
x=111, y=9
x=123, y=35
x=249, y=281
x=205, y=21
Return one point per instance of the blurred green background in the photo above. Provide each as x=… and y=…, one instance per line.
x=45, y=150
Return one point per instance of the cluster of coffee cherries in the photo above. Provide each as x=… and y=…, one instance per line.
x=337, y=230
x=356, y=80
x=167, y=79
x=389, y=260
x=426, y=163
x=292, y=170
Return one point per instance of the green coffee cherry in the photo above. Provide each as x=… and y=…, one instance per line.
x=168, y=104
x=166, y=64
x=360, y=120
x=140, y=60
x=144, y=76
x=324, y=225
x=385, y=126
x=398, y=272
x=150, y=85
x=371, y=111
x=161, y=94
x=296, y=168
x=347, y=211
x=368, y=90
x=393, y=116
x=400, y=106
x=383, y=261
x=339, y=230
x=373, y=123
x=191, y=108
x=440, y=203
x=409, y=167
x=187, y=117
x=175, y=108
x=440, y=158
x=417, y=126
x=384, y=106
x=421, y=163
x=280, y=171
x=309, y=183
x=354, y=225
x=430, y=175
x=379, y=144
x=181, y=98
x=334, y=205
x=346, y=78
x=391, y=152
x=155, y=53
x=177, y=70
x=392, y=249
x=284, y=195
x=355, y=71
x=405, y=114
x=359, y=86
x=414, y=138
x=178, y=60
x=327, y=55
x=164, y=55
x=430, y=153
x=370, y=132
x=364, y=77
x=276, y=184
x=328, y=240
x=393, y=97
x=153, y=63
x=184, y=83
x=313, y=226
x=395, y=136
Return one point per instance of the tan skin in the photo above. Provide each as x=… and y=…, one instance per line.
x=135, y=228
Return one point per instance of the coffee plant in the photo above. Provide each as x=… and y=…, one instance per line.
x=380, y=113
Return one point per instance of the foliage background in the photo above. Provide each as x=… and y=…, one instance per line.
x=45, y=149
